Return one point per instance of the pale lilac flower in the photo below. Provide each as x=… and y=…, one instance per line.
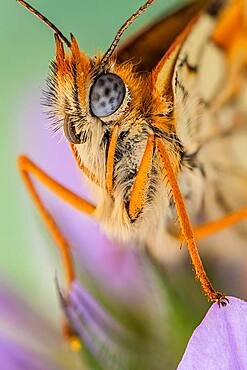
x=28, y=340
x=220, y=341
x=14, y=356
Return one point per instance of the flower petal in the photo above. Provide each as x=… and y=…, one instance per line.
x=220, y=341
x=15, y=357
x=113, y=339
x=18, y=316
x=28, y=340
x=99, y=332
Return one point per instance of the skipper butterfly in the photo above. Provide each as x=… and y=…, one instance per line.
x=147, y=123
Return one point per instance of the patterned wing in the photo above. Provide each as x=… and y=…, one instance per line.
x=150, y=44
x=210, y=92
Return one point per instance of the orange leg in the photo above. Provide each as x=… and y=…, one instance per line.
x=186, y=227
x=110, y=159
x=27, y=168
x=138, y=193
x=213, y=227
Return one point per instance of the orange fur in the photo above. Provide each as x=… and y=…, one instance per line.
x=82, y=64
x=161, y=80
x=60, y=56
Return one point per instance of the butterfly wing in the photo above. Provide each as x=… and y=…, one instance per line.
x=192, y=75
x=210, y=111
x=148, y=46
x=209, y=92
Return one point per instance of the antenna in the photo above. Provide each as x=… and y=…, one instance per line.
x=124, y=27
x=45, y=20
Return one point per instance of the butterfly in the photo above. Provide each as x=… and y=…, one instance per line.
x=151, y=125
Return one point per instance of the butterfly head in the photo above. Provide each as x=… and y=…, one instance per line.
x=82, y=91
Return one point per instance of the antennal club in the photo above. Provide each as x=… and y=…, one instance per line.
x=124, y=27
x=45, y=20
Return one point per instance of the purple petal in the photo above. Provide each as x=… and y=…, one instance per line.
x=20, y=317
x=85, y=312
x=89, y=308
x=220, y=341
x=28, y=341
x=15, y=357
x=99, y=331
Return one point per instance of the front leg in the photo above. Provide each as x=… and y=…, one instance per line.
x=138, y=193
x=27, y=169
x=212, y=227
x=186, y=227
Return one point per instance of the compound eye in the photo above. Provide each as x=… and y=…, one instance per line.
x=106, y=95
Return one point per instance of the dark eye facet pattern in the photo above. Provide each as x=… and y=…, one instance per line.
x=106, y=95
